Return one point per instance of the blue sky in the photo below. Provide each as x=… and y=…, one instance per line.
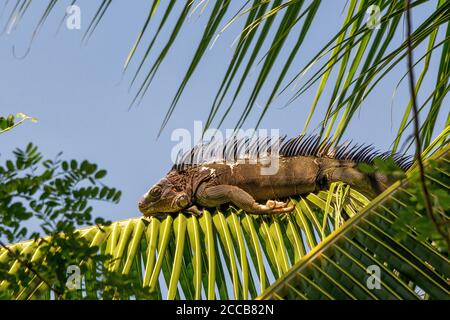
x=82, y=102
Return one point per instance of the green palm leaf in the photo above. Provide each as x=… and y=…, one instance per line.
x=410, y=267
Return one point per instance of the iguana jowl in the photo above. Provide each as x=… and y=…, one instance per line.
x=305, y=164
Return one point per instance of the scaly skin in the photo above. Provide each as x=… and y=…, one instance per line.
x=211, y=185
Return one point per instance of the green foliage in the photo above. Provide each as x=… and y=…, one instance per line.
x=422, y=223
x=12, y=121
x=54, y=192
x=386, y=166
x=57, y=195
x=7, y=122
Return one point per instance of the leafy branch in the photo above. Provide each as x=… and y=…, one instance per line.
x=418, y=154
x=10, y=122
x=57, y=194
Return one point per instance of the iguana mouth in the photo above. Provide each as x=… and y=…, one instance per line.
x=147, y=212
x=143, y=206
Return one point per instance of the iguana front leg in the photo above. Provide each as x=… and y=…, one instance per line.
x=216, y=195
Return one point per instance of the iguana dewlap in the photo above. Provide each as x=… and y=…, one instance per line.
x=304, y=165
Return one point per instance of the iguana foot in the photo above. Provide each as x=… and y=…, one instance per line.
x=195, y=211
x=276, y=204
x=271, y=207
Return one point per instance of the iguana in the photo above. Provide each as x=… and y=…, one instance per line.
x=305, y=164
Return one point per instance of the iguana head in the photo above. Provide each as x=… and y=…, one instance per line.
x=170, y=194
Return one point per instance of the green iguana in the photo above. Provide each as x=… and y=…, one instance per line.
x=304, y=164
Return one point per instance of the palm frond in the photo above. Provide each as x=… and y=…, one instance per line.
x=341, y=266
x=220, y=255
x=360, y=56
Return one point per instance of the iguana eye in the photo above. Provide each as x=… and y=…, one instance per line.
x=155, y=192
